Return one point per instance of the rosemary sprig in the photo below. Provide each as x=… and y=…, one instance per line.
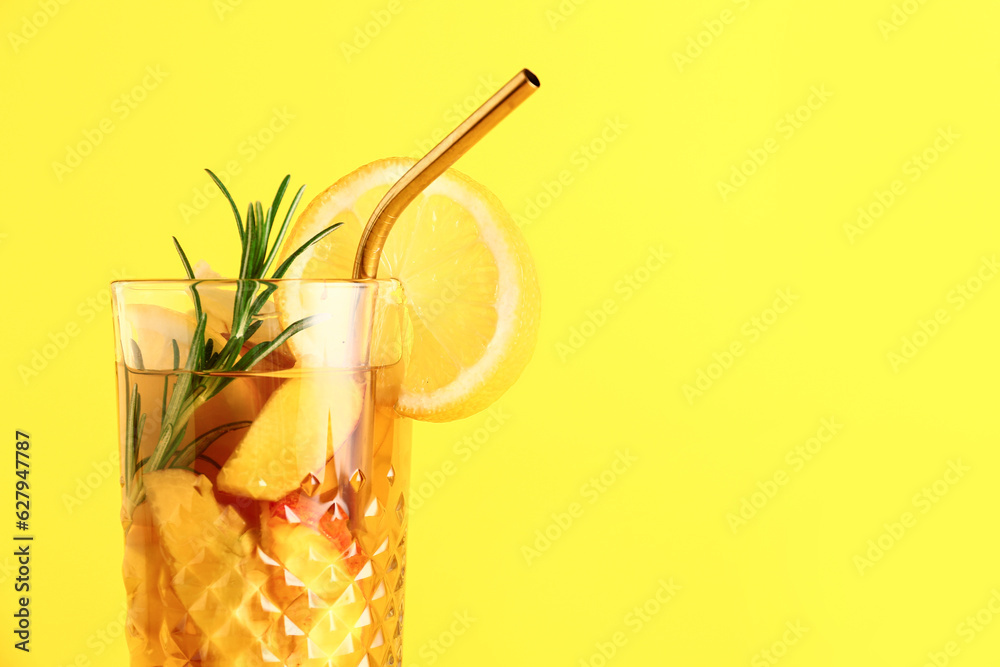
x=202, y=377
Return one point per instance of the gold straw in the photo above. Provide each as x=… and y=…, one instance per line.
x=432, y=165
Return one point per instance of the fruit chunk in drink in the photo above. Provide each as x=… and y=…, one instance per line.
x=275, y=545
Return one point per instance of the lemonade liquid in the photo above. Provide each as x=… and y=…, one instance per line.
x=314, y=578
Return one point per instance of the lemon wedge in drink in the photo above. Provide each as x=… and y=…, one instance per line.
x=299, y=428
x=203, y=552
x=151, y=333
x=471, y=292
x=217, y=303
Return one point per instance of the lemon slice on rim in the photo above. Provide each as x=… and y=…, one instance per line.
x=468, y=280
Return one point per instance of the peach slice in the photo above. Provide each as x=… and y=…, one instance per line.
x=317, y=589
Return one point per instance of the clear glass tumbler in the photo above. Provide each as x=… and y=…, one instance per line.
x=264, y=471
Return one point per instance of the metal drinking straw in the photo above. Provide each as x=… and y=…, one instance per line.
x=400, y=195
x=432, y=165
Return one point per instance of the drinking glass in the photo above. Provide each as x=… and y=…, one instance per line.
x=263, y=506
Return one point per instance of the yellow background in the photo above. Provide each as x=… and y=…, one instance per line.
x=662, y=133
